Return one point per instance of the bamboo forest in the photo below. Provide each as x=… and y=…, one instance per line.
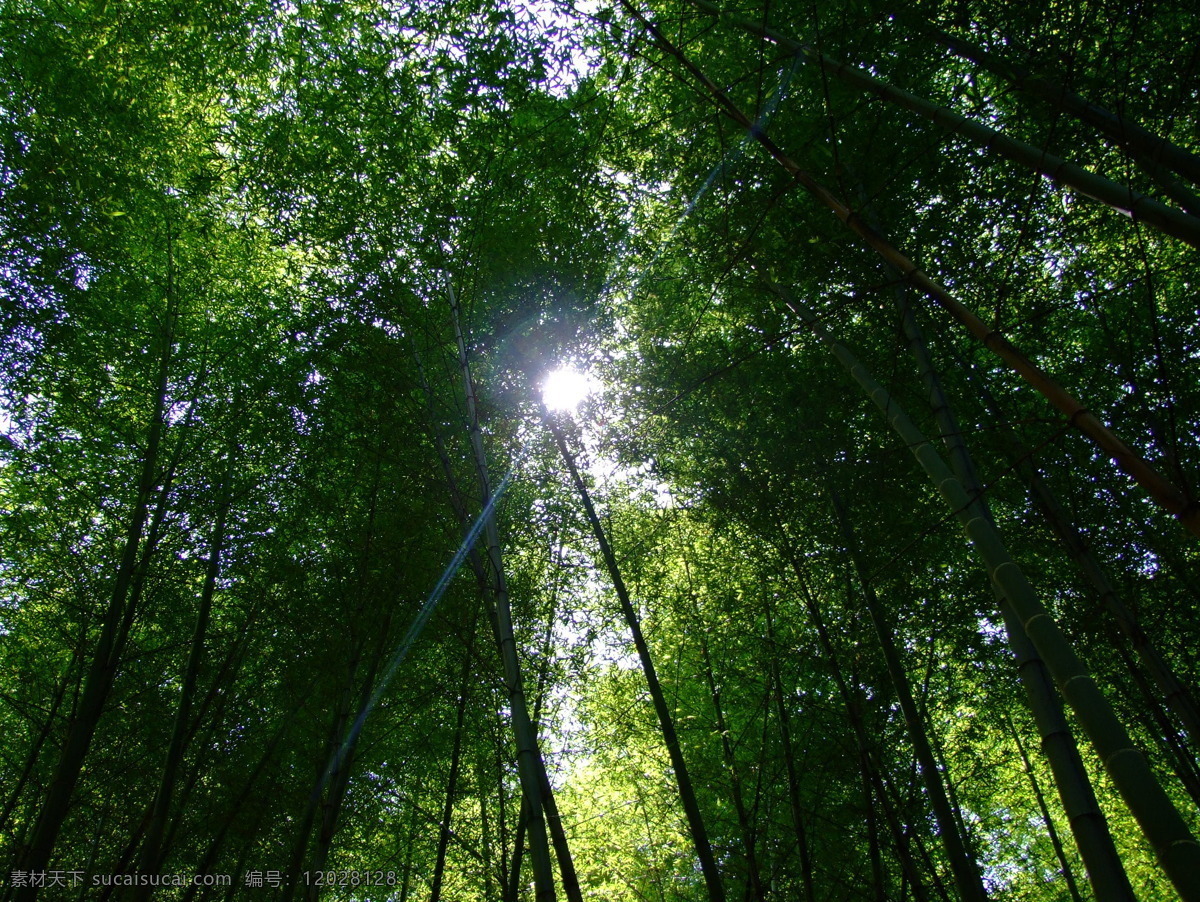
x=625, y=450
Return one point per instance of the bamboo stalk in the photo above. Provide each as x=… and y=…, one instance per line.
x=1176, y=849
x=554, y=824
x=1085, y=817
x=970, y=887
x=666, y=724
x=1151, y=150
x=444, y=831
x=1167, y=495
x=117, y=620
x=785, y=737
x=1051, y=831
x=744, y=818
x=966, y=871
x=1137, y=206
x=1175, y=692
x=528, y=755
x=152, y=851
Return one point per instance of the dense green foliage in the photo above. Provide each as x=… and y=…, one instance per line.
x=236, y=448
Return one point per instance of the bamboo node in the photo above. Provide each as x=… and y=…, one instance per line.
x=1127, y=750
x=1013, y=564
x=1076, y=415
x=1036, y=616
x=1078, y=676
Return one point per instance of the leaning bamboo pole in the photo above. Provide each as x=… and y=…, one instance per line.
x=1137, y=206
x=1059, y=852
x=1176, y=849
x=558, y=837
x=1086, y=819
x=528, y=754
x=966, y=878
x=1164, y=493
x=1159, y=156
x=962, y=863
x=666, y=723
x=1174, y=692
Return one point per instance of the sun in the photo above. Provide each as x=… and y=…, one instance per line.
x=565, y=389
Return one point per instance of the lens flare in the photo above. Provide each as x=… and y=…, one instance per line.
x=565, y=389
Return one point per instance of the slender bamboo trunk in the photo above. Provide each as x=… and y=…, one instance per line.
x=756, y=813
x=735, y=778
x=1155, y=153
x=1176, y=694
x=1051, y=831
x=485, y=833
x=104, y=827
x=875, y=853
x=332, y=781
x=216, y=700
x=558, y=833
x=212, y=853
x=874, y=797
x=121, y=865
x=478, y=568
x=789, y=761
x=1174, y=691
x=338, y=779
x=1175, y=847
x=513, y=886
x=455, y=763
x=1087, y=821
x=906, y=837
x=1157, y=722
x=1185, y=509
x=967, y=879
x=151, y=856
x=529, y=765
x=1105, y=871
x=35, y=749
x=687, y=795
x=966, y=872
x=110, y=646
x=407, y=866
x=330, y=764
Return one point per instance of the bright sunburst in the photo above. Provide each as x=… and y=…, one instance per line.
x=565, y=389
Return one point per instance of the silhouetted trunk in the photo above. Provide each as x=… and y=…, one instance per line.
x=966, y=872
x=735, y=777
x=666, y=723
x=151, y=856
x=789, y=762
x=1121, y=198
x=1051, y=830
x=212, y=854
x=110, y=646
x=31, y=759
x=1087, y=821
x=1154, y=810
x=967, y=878
x=1155, y=154
x=529, y=766
x=1164, y=493
x=439, y=866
